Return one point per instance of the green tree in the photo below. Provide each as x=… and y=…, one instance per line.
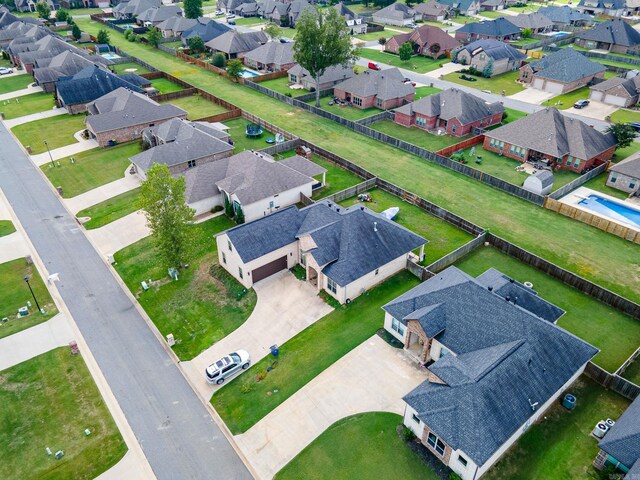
x=527, y=33
x=76, y=32
x=219, y=60
x=228, y=209
x=406, y=51
x=195, y=44
x=274, y=31
x=234, y=69
x=239, y=215
x=322, y=41
x=434, y=50
x=168, y=216
x=487, y=71
x=382, y=41
x=62, y=15
x=43, y=9
x=103, y=37
x=192, y=8
x=624, y=134
x=154, y=36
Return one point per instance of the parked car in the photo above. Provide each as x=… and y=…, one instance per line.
x=230, y=15
x=5, y=70
x=227, y=366
x=410, y=25
x=581, y=104
x=231, y=22
x=374, y=66
x=217, y=13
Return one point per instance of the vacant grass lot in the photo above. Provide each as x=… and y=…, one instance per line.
x=111, y=209
x=17, y=82
x=27, y=104
x=417, y=136
x=197, y=107
x=49, y=401
x=91, y=169
x=164, y=85
x=345, y=111
x=332, y=455
x=562, y=446
x=6, y=227
x=610, y=261
x=493, y=14
x=505, y=81
x=237, y=130
x=304, y=356
x=418, y=63
x=566, y=100
x=202, y=306
x=123, y=67
x=587, y=318
x=58, y=131
x=14, y=293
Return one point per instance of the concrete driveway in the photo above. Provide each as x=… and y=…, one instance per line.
x=120, y=233
x=103, y=192
x=445, y=69
x=532, y=95
x=372, y=377
x=285, y=306
x=597, y=110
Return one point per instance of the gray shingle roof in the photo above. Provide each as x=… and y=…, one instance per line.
x=234, y=42
x=332, y=74
x=396, y=11
x=304, y=166
x=452, y=103
x=629, y=166
x=177, y=24
x=159, y=14
x=566, y=65
x=564, y=14
x=432, y=8
x=623, y=439
x=606, y=4
x=550, y=132
x=272, y=52
x=91, y=83
x=506, y=359
x=531, y=20
x=62, y=65
x=206, y=29
x=495, y=49
x=384, y=84
x=499, y=27
x=631, y=85
x=616, y=32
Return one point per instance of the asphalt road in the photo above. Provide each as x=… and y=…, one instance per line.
x=177, y=434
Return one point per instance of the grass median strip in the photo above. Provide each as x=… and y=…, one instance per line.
x=110, y=210
x=244, y=401
x=6, y=227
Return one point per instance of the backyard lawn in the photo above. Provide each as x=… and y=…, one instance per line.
x=243, y=401
x=333, y=455
x=6, y=227
x=91, y=169
x=164, y=85
x=58, y=131
x=622, y=153
x=49, y=401
x=237, y=129
x=505, y=81
x=425, y=92
x=27, y=104
x=197, y=107
x=624, y=115
x=586, y=317
x=14, y=293
x=345, y=111
x=203, y=306
x=416, y=135
x=632, y=372
x=562, y=447
x=491, y=14
x=418, y=63
x=123, y=67
x=111, y=209
x=17, y=82
x=566, y=100
x=443, y=237
x=513, y=115
x=598, y=183
x=281, y=85
x=337, y=178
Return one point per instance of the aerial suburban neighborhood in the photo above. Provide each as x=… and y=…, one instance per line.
x=310, y=239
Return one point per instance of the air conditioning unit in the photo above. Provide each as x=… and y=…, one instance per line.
x=601, y=429
x=610, y=423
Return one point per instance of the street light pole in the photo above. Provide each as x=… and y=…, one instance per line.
x=26, y=279
x=50, y=156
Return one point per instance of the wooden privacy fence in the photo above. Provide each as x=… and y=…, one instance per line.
x=352, y=191
x=418, y=270
x=165, y=97
x=628, y=362
x=457, y=254
x=469, y=142
x=581, y=180
x=595, y=221
x=270, y=76
x=269, y=126
x=207, y=66
x=612, y=381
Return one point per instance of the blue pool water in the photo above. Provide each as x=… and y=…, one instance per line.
x=249, y=74
x=110, y=56
x=614, y=210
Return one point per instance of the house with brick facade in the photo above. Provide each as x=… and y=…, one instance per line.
x=625, y=175
x=561, y=72
x=174, y=26
x=618, y=91
x=502, y=57
x=344, y=251
x=433, y=11
x=384, y=89
x=620, y=447
x=121, y=116
x=613, y=35
x=499, y=29
x=549, y=137
x=235, y=44
x=424, y=39
x=130, y=9
x=331, y=77
x=271, y=57
x=495, y=363
x=451, y=111
x=155, y=15
x=464, y=7
x=205, y=28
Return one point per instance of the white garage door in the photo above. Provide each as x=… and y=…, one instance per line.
x=553, y=87
x=538, y=83
x=595, y=96
x=614, y=100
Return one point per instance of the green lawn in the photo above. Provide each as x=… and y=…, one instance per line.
x=443, y=237
x=281, y=85
x=49, y=401
x=337, y=178
x=14, y=293
x=493, y=14
x=110, y=210
x=561, y=447
x=566, y=100
x=373, y=36
x=632, y=372
x=197, y=107
x=587, y=318
x=513, y=115
x=248, y=21
x=27, y=104
x=622, y=153
x=505, y=81
x=598, y=183
x=203, y=306
x=91, y=169
x=425, y=92
x=123, y=67
x=6, y=227
x=416, y=135
x=17, y=82
x=333, y=454
x=241, y=142
x=164, y=85
x=623, y=116
x=306, y=355
x=345, y=111
x=419, y=63
x=58, y=131
x=530, y=7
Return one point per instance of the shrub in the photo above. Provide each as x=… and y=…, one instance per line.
x=454, y=476
x=127, y=33
x=247, y=387
x=217, y=208
x=408, y=434
x=219, y=60
x=288, y=94
x=382, y=41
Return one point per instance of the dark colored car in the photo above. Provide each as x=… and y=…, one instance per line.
x=581, y=104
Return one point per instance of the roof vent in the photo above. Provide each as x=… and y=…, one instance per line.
x=490, y=289
x=375, y=226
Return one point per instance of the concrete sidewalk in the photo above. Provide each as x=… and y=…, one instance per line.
x=66, y=151
x=532, y=95
x=130, y=467
x=13, y=246
x=120, y=233
x=102, y=193
x=21, y=93
x=371, y=378
x=34, y=116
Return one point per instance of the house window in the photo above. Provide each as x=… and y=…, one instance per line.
x=462, y=460
x=415, y=418
x=240, y=272
x=229, y=245
x=377, y=271
x=421, y=121
x=293, y=78
x=492, y=142
x=436, y=443
x=224, y=258
x=397, y=327
x=632, y=185
x=303, y=259
x=444, y=352
x=331, y=285
x=482, y=56
x=512, y=149
x=569, y=160
x=501, y=144
x=489, y=121
x=576, y=164
x=191, y=163
x=613, y=179
x=357, y=101
x=379, y=103
x=453, y=129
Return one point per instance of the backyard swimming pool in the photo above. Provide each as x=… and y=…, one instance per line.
x=614, y=210
x=111, y=56
x=249, y=74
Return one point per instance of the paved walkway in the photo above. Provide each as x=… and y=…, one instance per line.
x=34, y=341
x=34, y=116
x=372, y=377
x=120, y=233
x=284, y=308
x=13, y=246
x=21, y=93
x=102, y=193
x=445, y=69
x=130, y=468
x=66, y=151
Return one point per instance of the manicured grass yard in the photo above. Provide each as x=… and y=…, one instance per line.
x=334, y=453
x=513, y=115
x=562, y=447
x=425, y=92
x=598, y=183
x=58, y=131
x=281, y=85
x=416, y=135
x=6, y=227
x=337, y=178
x=27, y=104
x=419, y=63
x=304, y=356
x=123, y=67
x=49, y=401
x=91, y=169
x=110, y=210
x=491, y=14
x=622, y=153
x=505, y=81
x=164, y=85
x=16, y=82
x=197, y=107
x=443, y=237
x=14, y=294
x=587, y=318
x=566, y=100
x=345, y=111
x=624, y=115
x=237, y=128
x=632, y=372
x=203, y=306
x=373, y=36
x=247, y=21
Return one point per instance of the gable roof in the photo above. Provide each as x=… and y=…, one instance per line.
x=64, y=64
x=566, y=65
x=452, y=103
x=272, y=52
x=605, y=5
x=462, y=5
x=91, y=83
x=383, y=84
x=545, y=177
x=616, y=32
x=499, y=27
x=494, y=49
x=531, y=20
x=506, y=360
x=205, y=28
x=234, y=42
x=304, y=166
x=427, y=35
x=629, y=166
x=159, y=14
x=548, y=131
x=622, y=441
x=630, y=85
x=331, y=74
x=396, y=11
x=564, y=14
x=432, y=8
x=177, y=23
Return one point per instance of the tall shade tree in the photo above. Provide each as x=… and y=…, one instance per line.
x=103, y=37
x=274, y=31
x=623, y=133
x=154, y=36
x=322, y=41
x=168, y=216
x=235, y=68
x=405, y=51
x=195, y=44
x=76, y=32
x=192, y=8
x=43, y=9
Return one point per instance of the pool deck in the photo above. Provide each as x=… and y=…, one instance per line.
x=581, y=193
